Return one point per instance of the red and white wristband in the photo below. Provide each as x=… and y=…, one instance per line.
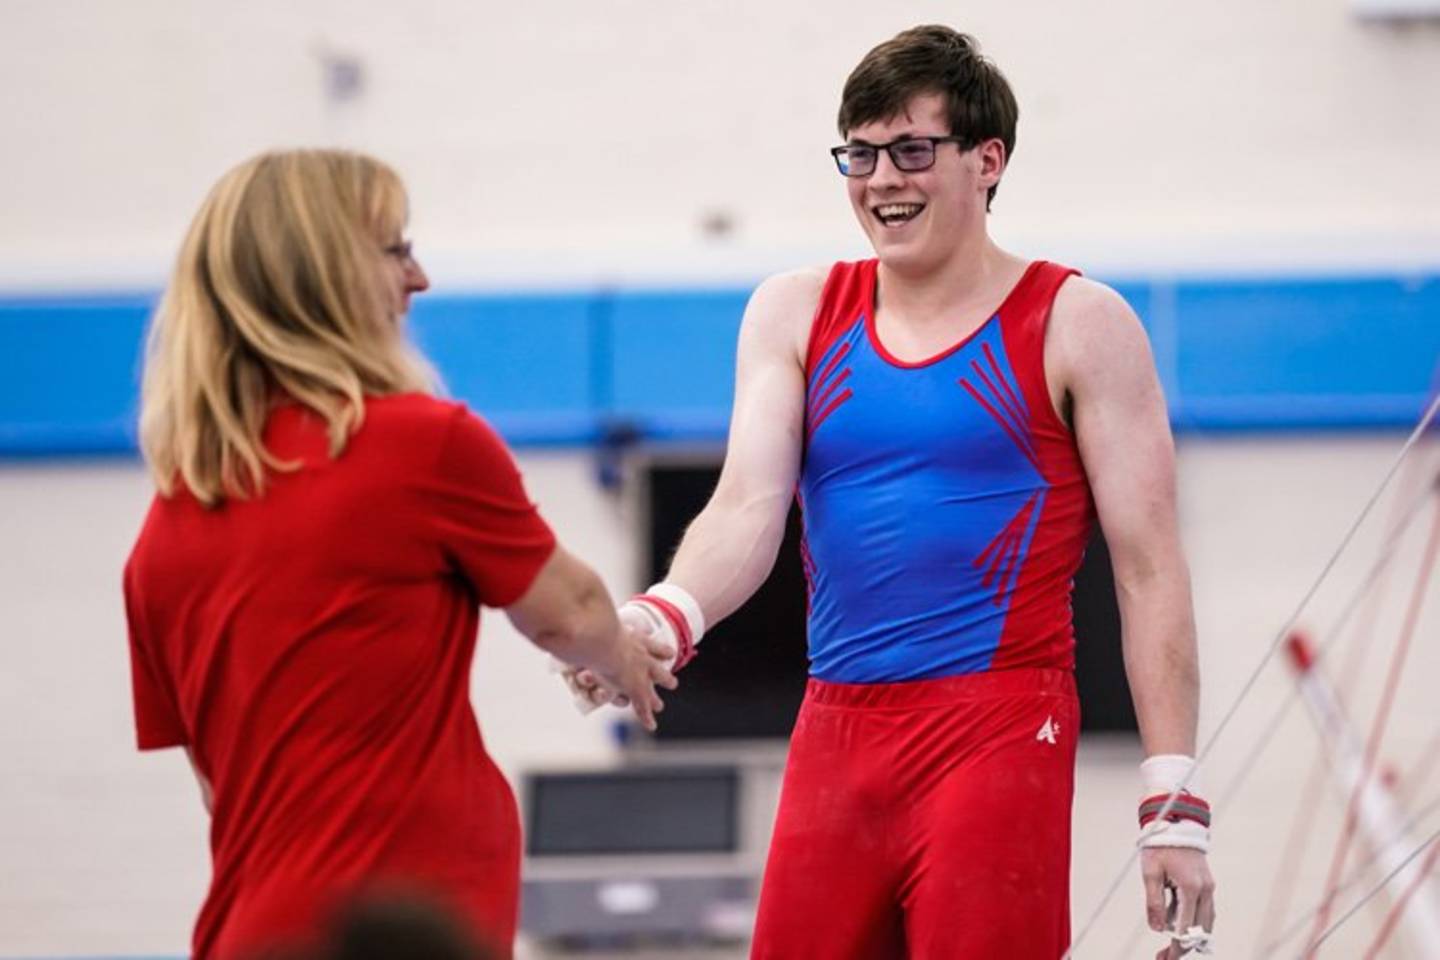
x=1168, y=818
x=675, y=616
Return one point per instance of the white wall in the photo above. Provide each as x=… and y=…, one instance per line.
x=587, y=140
x=103, y=849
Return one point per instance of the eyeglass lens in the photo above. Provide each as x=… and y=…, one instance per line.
x=858, y=160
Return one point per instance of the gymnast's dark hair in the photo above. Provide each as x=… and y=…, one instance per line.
x=933, y=59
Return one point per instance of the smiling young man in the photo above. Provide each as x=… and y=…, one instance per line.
x=953, y=419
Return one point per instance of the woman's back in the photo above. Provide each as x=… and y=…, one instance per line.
x=312, y=647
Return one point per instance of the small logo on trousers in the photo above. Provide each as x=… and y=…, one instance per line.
x=1048, y=732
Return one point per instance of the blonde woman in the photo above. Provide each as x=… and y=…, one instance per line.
x=304, y=596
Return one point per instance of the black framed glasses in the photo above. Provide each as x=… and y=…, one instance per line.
x=910, y=154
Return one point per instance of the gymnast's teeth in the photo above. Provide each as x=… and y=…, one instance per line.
x=892, y=213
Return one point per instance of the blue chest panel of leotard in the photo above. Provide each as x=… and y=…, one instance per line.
x=921, y=494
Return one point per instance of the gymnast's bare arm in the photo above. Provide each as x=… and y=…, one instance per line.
x=1099, y=365
x=1102, y=358
x=729, y=549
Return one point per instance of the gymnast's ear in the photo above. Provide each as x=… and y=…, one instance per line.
x=992, y=159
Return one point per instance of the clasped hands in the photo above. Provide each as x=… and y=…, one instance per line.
x=644, y=661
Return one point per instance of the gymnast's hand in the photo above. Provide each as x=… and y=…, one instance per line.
x=652, y=657
x=1189, y=915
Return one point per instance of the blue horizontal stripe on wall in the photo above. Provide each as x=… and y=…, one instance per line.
x=608, y=365
x=1297, y=353
x=69, y=373
x=525, y=361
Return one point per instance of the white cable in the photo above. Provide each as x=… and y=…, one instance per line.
x=1303, y=919
x=1387, y=553
x=1309, y=949
x=1265, y=659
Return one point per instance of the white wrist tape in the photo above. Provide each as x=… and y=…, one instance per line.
x=687, y=605
x=1197, y=940
x=1186, y=823
x=673, y=615
x=1164, y=772
x=1181, y=833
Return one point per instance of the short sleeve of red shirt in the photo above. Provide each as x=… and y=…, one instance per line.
x=485, y=523
x=157, y=718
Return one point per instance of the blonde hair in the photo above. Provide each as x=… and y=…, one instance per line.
x=277, y=292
